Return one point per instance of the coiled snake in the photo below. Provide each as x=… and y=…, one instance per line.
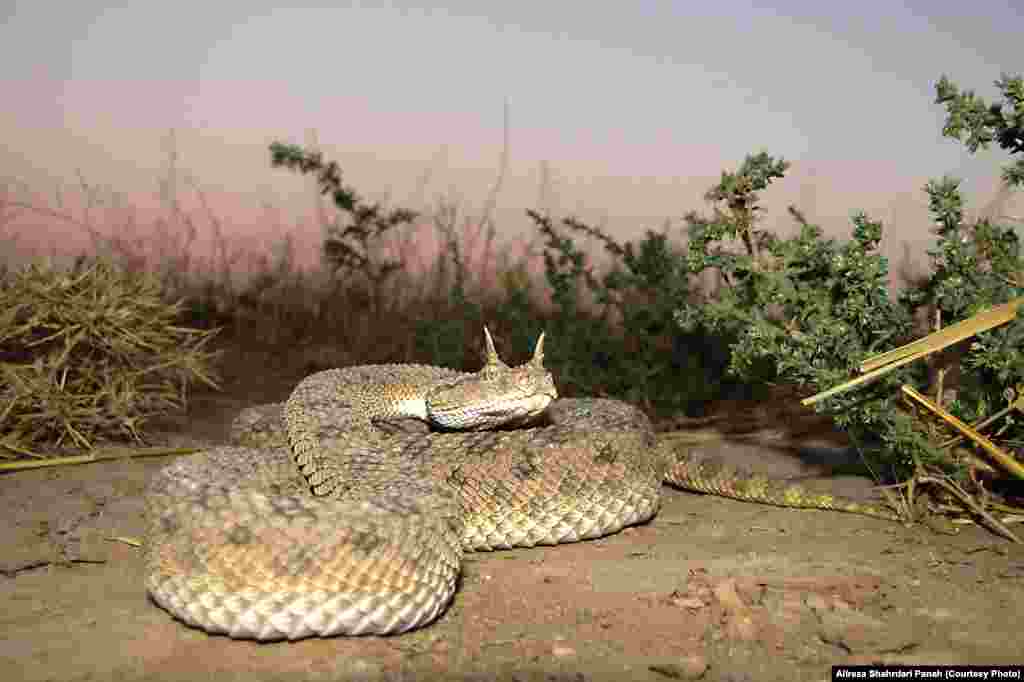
x=349, y=521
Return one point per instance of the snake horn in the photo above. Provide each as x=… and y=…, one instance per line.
x=538, y=352
x=492, y=359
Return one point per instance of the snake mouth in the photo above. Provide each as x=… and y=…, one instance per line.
x=541, y=401
x=526, y=411
x=525, y=408
x=511, y=412
x=533, y=407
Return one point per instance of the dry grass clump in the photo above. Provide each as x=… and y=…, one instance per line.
x=90, y=354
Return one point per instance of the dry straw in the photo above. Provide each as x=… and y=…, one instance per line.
x=883, y=363
x=91, y=354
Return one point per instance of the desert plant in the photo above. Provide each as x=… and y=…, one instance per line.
x=804, y=310
x=978, y=124
x=347, y=249
x=616, y=329
x=810, y=310
x=91, y=353
x=975, y=266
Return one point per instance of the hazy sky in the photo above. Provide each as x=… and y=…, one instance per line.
x=636, y=107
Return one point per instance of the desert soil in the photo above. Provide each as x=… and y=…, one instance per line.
x=710, y=589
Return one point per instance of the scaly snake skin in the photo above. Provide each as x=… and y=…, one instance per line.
x=339, y=517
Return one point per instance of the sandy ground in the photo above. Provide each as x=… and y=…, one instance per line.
x=710, y=589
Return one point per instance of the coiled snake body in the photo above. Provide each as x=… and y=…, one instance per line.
x=347, y=521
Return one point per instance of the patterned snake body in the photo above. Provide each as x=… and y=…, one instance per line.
x=240, y=546
x=339, y=515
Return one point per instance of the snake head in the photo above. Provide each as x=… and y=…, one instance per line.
x=497, y=395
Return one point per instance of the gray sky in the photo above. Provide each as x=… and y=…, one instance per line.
x=636, y=107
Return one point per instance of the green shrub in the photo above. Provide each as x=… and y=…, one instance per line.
x=978, y=124
x=974, y=267
x=804, y=310
x=808, y=310
x=629, y=347
x=347, y=249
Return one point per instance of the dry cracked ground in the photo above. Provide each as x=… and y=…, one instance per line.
x=711, y=589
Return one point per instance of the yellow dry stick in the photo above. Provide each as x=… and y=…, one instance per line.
x=1008, y=462
x=94, y=457
x=954, y=333
x=883, y=363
